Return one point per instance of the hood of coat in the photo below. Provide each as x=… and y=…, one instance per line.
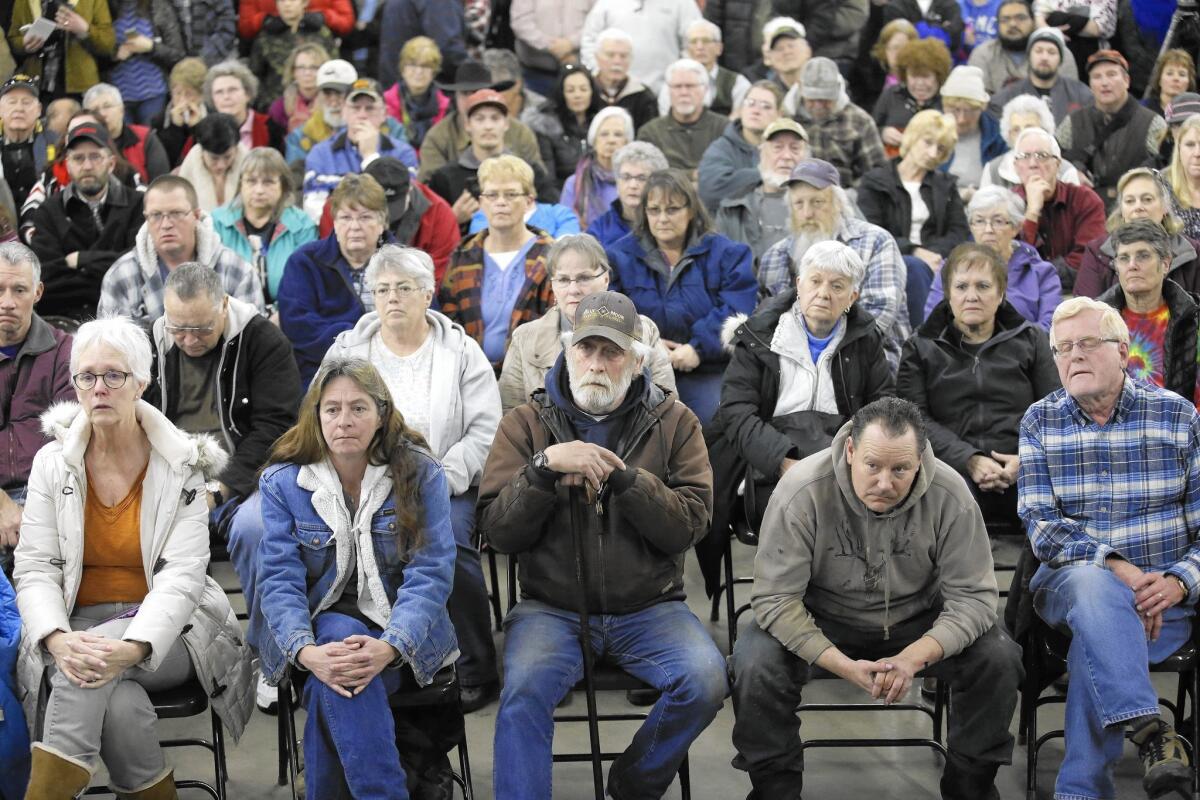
x=737, y=140
x=66, y=423
x=760, y=328
x=208, y=247
x=841, y=470
x=238, y=316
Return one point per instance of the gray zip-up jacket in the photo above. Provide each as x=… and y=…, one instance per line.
x=823, y=554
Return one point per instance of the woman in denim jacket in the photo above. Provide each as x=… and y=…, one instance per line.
x=355, y=569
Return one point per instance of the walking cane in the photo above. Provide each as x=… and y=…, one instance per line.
x=585, y=639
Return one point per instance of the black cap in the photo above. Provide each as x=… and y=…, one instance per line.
x=471, y=76
x=20, y=81
x=395, y=179
x=93, y=132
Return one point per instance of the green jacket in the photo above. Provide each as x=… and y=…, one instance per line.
x=82, y=72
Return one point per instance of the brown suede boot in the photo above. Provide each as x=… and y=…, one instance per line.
x=161, y=788
x=55, y=776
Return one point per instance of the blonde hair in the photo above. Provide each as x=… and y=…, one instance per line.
x=1170, y=222
x=266, y=161
x=933, y=123
x=1176, y=178
x=1111, y=324
x=890, y=31
x=421, y=51
x=507, y=168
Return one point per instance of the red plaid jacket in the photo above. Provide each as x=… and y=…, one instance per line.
x=461, y=292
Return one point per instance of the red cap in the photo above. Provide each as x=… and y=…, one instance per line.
x=486, y=97
x=1107, y=57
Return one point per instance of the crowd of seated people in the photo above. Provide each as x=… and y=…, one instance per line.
x=355, y=289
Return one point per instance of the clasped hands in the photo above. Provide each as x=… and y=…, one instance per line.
x=582, y=463
x=1153, y=593
x=995, y=473
x=349, y=665
x=89, y=660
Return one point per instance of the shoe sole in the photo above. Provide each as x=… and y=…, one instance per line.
x=1168, y=780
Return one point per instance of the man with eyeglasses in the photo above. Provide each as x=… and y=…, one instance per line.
x=79, y=232
x=1060, y=218
x=34, y=373
x=729, y=167
x=172, y=235
x=726, y=88
x=688, y=128
x=486, y=123
x=224, y=369
x=1109, y=491
x=1052, y=76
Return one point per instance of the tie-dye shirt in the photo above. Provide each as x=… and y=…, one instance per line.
x=1147, y=347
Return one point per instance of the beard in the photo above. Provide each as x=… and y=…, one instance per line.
x=814, y=233
x=1014, y=45
x=1043, y=75
x=600, y=394
x=333, y=118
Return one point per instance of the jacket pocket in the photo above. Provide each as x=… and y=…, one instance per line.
x=388, y=556
x=316, y=547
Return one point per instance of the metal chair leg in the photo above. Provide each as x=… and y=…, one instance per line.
x=685, y=779
x=494, y=594
x=464, y=766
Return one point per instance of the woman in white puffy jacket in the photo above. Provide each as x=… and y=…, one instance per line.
x=111, y=578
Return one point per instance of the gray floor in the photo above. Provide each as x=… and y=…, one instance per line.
x=880, y=774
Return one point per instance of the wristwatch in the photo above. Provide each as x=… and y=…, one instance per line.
x=539, y=461
x=1182, y=586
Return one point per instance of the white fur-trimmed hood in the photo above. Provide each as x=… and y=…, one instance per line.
x=729, y=328
x=65, y=423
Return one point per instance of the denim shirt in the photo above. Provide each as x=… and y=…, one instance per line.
x=299, y=565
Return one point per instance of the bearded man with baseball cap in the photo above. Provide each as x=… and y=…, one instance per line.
x=1116, y=134
x=605, y=472
x=80, y=231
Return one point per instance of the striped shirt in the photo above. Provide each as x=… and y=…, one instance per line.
x=1130, y=487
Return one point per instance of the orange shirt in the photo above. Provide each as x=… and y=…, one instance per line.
x=112, y=550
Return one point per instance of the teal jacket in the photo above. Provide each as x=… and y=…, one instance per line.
x=293, y=229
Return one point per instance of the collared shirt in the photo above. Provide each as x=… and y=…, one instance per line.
x=1130, y=487
x=1071, y=217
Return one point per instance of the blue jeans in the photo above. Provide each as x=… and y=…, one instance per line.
x=245, y=532
x=1109, y=660
x=350, y=743
x=663, y=645
x=920, y=278
x=144, y=112
x=701, y=392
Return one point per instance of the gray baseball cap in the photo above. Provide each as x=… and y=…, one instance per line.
x=815, y=172
x=610, y=315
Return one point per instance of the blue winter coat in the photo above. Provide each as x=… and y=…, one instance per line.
x=293, y=229
x=553, y=218
x=610, y=227
x=14, y=736
x=713, y=281
x=330, y=160
x=299, y=566
x=991, y=142
x=317, y=301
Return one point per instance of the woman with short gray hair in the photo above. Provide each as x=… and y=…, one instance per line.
x=577, y=266
x=444, y=387
x=632, y=166
x=231, y=88
x=801, y=366
x=111, y=578
x=995, y=215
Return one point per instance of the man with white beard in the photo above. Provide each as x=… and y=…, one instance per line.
x=821, y=212
x=333, y=84
x=599, y=485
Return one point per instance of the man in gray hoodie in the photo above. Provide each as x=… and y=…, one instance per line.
x=874, y=565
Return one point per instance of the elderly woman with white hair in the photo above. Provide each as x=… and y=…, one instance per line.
x=1034, y=290
x=111, y=578
x=577, y=266
x=1023, y=111
x=801, y=366
x=444, y=387
x=592, y=188
x=632, y=166
x=973, y=368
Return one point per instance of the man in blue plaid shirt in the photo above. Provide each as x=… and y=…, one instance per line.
x=1109, y=492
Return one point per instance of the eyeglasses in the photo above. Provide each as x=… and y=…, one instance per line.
x=401, y=289
x=563, y=282
x=669, y=211
x=87, y=158
x=113, y=379
x=993, y=223
x=684, y=85
x=361, y=220
x=509, y=197
x=1040, y=156
x=1088, y=344
x=157, y=217
x=184, y=330
x=625, y=177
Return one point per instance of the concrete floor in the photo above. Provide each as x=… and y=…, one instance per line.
x=878, y=773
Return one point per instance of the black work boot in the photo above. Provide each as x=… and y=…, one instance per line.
x=969, y=778
x=1163, y=757
x=777, y=787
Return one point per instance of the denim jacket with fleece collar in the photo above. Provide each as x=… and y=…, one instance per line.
x=310, y=543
